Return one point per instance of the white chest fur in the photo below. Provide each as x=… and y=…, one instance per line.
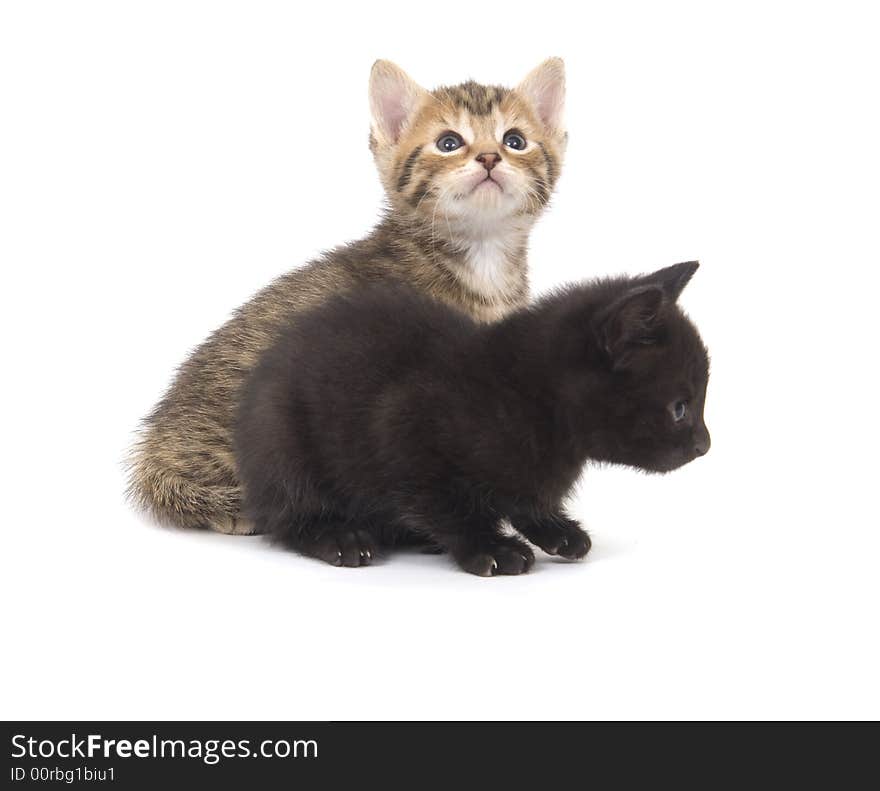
x=488, y=270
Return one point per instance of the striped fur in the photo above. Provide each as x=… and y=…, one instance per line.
x=463, y=246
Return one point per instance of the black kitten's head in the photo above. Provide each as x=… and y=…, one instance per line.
x=649, y=394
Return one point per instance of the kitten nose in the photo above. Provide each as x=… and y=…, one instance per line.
x=488, y=161
x=702, y=444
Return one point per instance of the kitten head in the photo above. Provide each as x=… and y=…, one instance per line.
x=653, y=369
x=468, y=155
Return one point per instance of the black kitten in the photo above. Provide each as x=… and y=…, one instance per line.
x=383, y=415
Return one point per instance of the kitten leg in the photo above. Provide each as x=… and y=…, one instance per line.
x=489, y=554
x=298, y=517
x=478, y=546
x=555, y=533
x=335, y=541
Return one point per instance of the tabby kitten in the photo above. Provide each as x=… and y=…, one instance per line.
x=467, y=170
x=384, y=414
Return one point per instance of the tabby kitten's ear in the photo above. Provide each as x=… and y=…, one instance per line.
x=631, y=321
x=394, y=97
x=674, y=278
x=544, y=88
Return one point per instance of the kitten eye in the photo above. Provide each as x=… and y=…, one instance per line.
x=515, y=141
x=449, y=142
x=679, y=410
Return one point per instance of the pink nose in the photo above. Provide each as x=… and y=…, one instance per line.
x=488, y=161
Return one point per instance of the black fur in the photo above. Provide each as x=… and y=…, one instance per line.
x=383, y=414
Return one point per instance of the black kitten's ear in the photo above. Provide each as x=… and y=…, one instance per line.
x=630, y=321
x=674, y=278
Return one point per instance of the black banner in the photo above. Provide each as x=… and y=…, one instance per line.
x=141, y=755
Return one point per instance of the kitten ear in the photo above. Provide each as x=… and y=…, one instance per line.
x=631, y=320
x=674, y=278
x=394, y=97
x=544, y=87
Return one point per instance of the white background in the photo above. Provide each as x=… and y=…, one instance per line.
x=160, y=161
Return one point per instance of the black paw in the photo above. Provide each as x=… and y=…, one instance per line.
x=500, y=556
x=349, y=548
x=575, y=545
x=557, y=535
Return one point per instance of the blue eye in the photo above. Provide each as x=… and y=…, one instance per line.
x=515, y=141
x=449, y=142
x=679, y=410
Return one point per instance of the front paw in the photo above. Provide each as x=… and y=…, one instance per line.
x=504, y=555
x=575, y=544
x=557, y=535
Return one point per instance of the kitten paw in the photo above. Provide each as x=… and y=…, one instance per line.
x=557, y=535
x=506, y=556
x=575, y=545
x=350, y=548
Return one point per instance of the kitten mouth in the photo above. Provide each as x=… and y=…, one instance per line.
x=488, y=182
